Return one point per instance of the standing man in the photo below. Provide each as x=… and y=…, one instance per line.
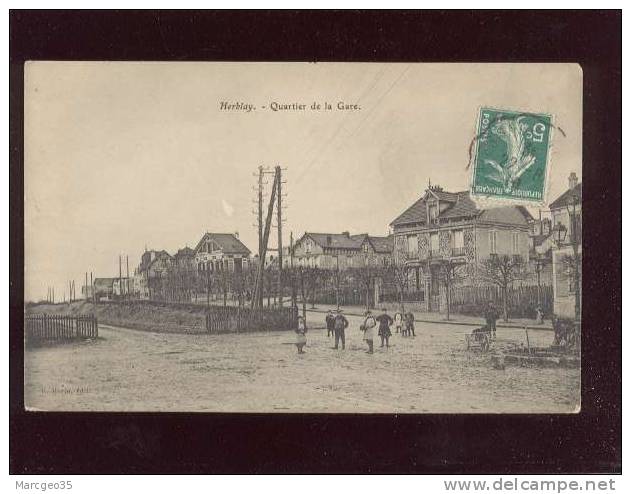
x=330, y=323
x=341, y=323
x=490, y=316
x=385, y=321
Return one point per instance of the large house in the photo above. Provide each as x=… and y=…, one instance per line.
x=341, y=250
x=221, y=252
x=154, y=266
x=442, y=226
x=184, y=259
x=566, y=213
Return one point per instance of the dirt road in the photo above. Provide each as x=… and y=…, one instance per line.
x=129, y=370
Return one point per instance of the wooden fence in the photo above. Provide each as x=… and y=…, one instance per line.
x=244, y=319
x=43, y=327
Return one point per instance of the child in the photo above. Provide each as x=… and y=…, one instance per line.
x=368, y=327
x=330, y=323
x=539, y=315
x=409, y=324
x=398, y=323
x=301, y=332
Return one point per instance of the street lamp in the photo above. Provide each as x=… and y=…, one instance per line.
x=559, y=231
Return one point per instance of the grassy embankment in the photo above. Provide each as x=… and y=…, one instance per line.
x=162, y=318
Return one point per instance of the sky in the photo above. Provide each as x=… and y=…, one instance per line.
x=123, y=156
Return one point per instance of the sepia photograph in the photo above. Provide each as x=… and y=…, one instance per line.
x=400, y=238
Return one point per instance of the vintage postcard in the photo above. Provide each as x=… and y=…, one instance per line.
x=301, y=237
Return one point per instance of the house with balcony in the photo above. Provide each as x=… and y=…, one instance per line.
x=341, y=250
x=566, y=249
x=216, y=252
x=448, y=227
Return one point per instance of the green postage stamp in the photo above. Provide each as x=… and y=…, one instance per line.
x=511, y=157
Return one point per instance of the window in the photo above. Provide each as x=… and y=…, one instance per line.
x=457, y=243
x=308, y=246
x=412, y=241
x=433, y=243
x=493, y=242
x=432, y=209
x=515, y=243
x=365, y=247
x=458, y=239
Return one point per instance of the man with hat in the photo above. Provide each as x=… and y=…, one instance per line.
x=341, y=323
x=385, y=321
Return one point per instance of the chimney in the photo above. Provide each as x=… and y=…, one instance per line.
x=572, y=180
x=346, y=234
x=236, y=234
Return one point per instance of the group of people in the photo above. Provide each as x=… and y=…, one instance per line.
x=336, y=324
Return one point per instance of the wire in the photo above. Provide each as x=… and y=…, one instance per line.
x=323, y=148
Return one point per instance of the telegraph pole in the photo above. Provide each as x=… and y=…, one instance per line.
x=258, y=299
x=260, y=212
x=291, y=268
x=279, y=220
x=91, y=287
x=86, y=286
x=127, y=281
x=120, y=275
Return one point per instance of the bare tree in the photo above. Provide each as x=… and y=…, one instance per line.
x=224, y=280
x=312, y=277
x=301, y=273
x=400, y=271
x=503, y=271
x=366, y=275
x=449, y=273
x=208, y=283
